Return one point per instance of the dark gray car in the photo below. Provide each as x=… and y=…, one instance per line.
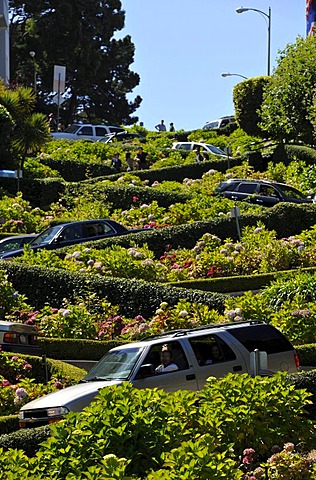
x=260, y=192
x=73, y=233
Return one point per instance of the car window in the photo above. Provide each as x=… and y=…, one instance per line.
x=100, y=131
x=215, y=150
x=10, y=245
x=268, y=191
x=292, y=192
x=265, y=338
x=95, y=229
x=85, y=131
x=72, y=232
x=184, y=146
x=210, y=349
x=115, y=129
x=177, y=355
x=247, y=187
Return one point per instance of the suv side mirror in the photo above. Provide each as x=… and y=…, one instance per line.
x=146, y=370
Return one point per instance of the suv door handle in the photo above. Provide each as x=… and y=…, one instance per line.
x=190, y=377
x=237, y=368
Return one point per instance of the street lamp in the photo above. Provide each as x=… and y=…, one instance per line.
x=32, y=54
x=268, y=16
x=228, y=74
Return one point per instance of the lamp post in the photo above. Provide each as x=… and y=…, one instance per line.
x=32, y=54
x=228, y=74
x=266, y=15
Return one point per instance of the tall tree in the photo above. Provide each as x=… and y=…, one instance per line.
x=247, y=96
x=288, y=110
x=80, y=35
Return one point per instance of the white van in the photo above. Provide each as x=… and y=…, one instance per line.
x=196, y=354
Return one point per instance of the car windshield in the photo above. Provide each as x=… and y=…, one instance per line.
x=72, y=129
x=107, y=138
x=115, y=365
x=46, y=237
x=215, y=150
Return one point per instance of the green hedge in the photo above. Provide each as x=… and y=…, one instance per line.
x=121, y=196
x=76, y=349
x=237, y=284
x=8, y=424
x=28, y=440
x=40, y=193
x=73, y=171
x=42, y=286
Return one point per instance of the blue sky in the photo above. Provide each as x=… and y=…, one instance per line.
x=183, y=46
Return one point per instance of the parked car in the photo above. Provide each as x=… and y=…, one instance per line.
x=72, y=233
x=260, y=192
x=80, y=131
x=16, y=241
x=204, y=147
x=219, y=123
x=122, y=137
x=18, y=338
x=193, y=360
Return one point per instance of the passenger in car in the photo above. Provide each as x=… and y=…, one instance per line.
x=91, y=231
x=216, y=354
x=167, y=364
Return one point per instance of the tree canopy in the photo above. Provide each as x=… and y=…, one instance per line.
x=288, y=110
x=80, y=36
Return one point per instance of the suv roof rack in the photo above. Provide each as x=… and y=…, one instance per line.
x=186, y=331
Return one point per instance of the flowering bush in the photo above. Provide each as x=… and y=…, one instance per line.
x=17, y=216
x=17, y=385
x=9, y=298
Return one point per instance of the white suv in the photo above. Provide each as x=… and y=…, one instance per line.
x=80, y=131
x=196, y=354
x=203, y=147
x=219, y=123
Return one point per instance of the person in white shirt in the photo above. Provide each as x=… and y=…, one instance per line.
x=161, y=127
x=166, y=362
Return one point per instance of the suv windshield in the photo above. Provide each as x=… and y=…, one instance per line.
x=72, y=129
x=115, y=365
x=215, y=149
x=292, y=192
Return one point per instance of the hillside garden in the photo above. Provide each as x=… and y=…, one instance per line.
x=242, y=444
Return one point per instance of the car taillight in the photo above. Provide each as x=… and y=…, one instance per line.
x=11, y=338
x=297, y=360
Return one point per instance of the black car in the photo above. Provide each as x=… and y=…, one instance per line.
x=72, y=233
x=260, y=192
x=15, y=241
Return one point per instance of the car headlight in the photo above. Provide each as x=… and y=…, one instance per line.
x=57, y=411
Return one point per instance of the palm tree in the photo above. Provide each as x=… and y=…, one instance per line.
x=30, y=130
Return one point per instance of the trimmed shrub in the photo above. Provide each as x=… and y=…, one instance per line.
x=28, y=440
x=133, y=297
